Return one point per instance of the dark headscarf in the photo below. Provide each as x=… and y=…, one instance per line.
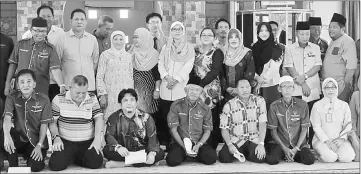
x=263, y=51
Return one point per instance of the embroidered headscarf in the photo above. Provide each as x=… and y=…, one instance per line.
x=145, y=57
x=234, y=56
x=114, y=51
x=182, y=51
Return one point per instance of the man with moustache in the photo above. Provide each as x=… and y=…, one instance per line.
x=154, y=23
x=102, y=33
x=340, y=59
x=315, y=29
x=222, y=27
x=53, y=34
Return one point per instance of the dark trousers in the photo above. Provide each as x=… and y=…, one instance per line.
x=53, y=91
x=216, y=136
x=24, y=148
x=275, y=154
x=248, y=149
x=77, y=153
x=162, y=123
x=345, y=95
x=176, y=155
x=112, y=155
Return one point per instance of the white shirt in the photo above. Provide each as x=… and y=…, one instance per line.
x=53, y=35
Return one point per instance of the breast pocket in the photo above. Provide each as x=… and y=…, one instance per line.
x=88, y=112
x=35, y=113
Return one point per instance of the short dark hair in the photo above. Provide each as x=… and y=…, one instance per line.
x=103, y=19
x=222, y=20
x=273, y=22
x=244, y=80
x=130, y=91
x=80, y=80
x=43, y=7
x=78, y=10
x=153, y=15
x=208, y=28
x=25, y=71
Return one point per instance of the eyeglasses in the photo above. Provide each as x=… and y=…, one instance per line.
x=177, y=29
x=40, y=31
x=330, y=87
x=207, y=35
x=287, y=87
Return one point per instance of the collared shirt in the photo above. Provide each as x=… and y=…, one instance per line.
x=28, y=115
x=54, y=34
x=41, y=57
x=75, y=123
x=79, y=56
x=303, y=60
x=340, y=56
x=6, y=48
x=289, y=120
x=103, y=43
x=192, y=121
x=242, y=120
x=160, y=41
x=136, y=133
x=323, y=47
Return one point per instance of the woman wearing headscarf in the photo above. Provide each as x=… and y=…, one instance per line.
x=146, y=75
x=331, y=121
x=208, y=69
x=115, y=72
x=175, y=63
x=268, y=56
x=238, y=63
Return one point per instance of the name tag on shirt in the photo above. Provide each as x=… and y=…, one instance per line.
x=335, y=50
x=329, y=118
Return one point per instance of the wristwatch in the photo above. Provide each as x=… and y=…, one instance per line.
x=261, y=143
x=39, y=144
x=157, y=89
x=53, y=138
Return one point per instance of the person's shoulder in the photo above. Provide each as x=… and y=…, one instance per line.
x=114, y=115
x=203, y=105
x=42, y=96
x=347, y=39
x=14, y=94
x=275, y=103
x=178, y=102
x=24, y=41
x=324, y=41
x=91, y=36
x=300, y=102
x=57, y=29
x=314, y=46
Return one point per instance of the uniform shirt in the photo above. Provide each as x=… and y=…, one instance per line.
x=79, y=56
x=304, y=59
x=6, y=48
x=28, y=115
x=192, y=121
x=54, y=34
x=103, y=43
x=242, y=120
x=323, y=47
x=76, y=122
x=41, y=57
x=340, y=56
x=289, y=120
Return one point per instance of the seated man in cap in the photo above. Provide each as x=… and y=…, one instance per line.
x=31, y=113
x=36, y=54
x=315, y=30
x=340, y=59
x=190, y=123
x=288, y=120
x=130, y=130
x=243, y=126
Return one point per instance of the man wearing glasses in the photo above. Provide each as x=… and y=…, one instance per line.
x=37, y=54
x=154, y=23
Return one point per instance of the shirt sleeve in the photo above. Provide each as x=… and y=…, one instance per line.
x=288, y=62
x=59, y=46
x=272, y=117
x=96, y=111
x=250, y=68
x=55, y=107
x=207, y=122
x=9, y=106
x=46, y=116
x=54, y=62
x=161, y=63
x=111, y=132
x=305, y=122
x=183, y=73
x=172, y=117
x=224, y=117
x=349, y=55
x=317, y=123
x=14, y=58
x=217, y=64
x=153, y=143
x=318, y=60
x=262, y=111
x=102, y=68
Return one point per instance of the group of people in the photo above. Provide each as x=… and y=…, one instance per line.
x=265, y=102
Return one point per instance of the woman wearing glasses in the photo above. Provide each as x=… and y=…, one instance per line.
x=208, y=69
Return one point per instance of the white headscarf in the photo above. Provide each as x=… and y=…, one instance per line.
x=182, y=51
x=112, y=50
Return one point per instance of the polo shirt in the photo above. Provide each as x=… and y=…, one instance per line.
x=41, y=57
x=79, y=56
x=191, y=121
x=289, y=120
x=28, y=115
x=54, y=34
x=6, y=48
x=242, y=120
x=304, y=59
x=75, y=123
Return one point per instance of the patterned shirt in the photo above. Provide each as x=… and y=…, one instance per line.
x=75, y=123
x=289, y=120
x=242, y=120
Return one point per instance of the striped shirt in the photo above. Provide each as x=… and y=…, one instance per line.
x=75, y=123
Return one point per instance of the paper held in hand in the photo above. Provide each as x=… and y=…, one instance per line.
x=240, y=157
x=136, y=157
x=188, y=145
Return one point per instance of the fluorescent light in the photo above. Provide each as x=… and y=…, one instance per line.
x=93, y=14
x=123, y=13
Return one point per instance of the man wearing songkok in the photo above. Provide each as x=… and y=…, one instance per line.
x=190, y=123
x=130, y=130
x=37, y=54
x=288, y=120
x=77, y=131
x=315, y=30
x=243, y=126
x=340, y=59
x=31, y=112
x=331, y=121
